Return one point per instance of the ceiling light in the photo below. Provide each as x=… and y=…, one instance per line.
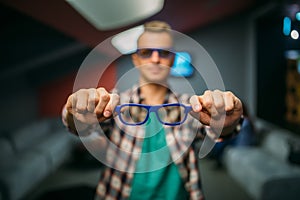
x=298, y=16
x=294, y=34
x=286, y=26
x=111, y=14
x=126, y=42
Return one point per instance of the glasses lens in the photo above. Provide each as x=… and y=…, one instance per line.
x=172, y=114
x=145, y=53
x=164, y=53
x=133, y=115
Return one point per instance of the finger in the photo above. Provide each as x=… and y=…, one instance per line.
x=103, y=100
x=238, y=105
x=195, y=103
x=81, y=104
x=207, y=102
x=218, y=101
x=229, y=100
x=71, y=102
x=93, y=100
x=110, y=107
x=198, y=111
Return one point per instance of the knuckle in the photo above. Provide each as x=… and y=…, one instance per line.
x=228, y=94
x=115, y=97
x=207, y=92
x=105, y=97
x=217, y=91
x=80, y=107
x=71, y=99
x=92, y=100
x=219, y=105
x=92, y=96
x=101, y=90
x=208, y=104
x=82, y=91
x=193, y=98
x=92, y=91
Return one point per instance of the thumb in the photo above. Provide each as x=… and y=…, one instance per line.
x=195, y=103
x=111, y=105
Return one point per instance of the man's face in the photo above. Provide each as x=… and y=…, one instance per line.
x=153, y=58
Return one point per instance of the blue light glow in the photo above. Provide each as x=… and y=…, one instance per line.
x=298, y=65
x=182, y=65
x=286, y=26
x=298, y=16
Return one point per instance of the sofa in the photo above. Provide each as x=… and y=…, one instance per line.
x=265, y=170
x=30, y=154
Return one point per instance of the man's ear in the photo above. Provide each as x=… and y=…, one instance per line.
x=173, y=59
x=134, y=58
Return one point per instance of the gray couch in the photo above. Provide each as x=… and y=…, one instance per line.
x=30, y=154
x=264, y=171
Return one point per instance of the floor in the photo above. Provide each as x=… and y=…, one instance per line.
x=80, y=179
x=218, y=185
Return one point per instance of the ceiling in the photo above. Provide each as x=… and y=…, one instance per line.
x=39, y=37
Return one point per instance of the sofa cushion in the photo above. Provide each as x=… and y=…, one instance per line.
x=284, y=188
x=7, y=153
x=294, y=152
x=25, y=137
x=24, y=173
x=253, y=167
x=262, y=125
x=30, y=154
x=277, y=143
x=57, y=147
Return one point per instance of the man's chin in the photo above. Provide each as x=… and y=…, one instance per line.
x=157, y=81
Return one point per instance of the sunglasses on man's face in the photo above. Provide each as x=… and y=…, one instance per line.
x=147, y=52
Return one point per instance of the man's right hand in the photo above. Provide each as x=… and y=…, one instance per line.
x=92, y=105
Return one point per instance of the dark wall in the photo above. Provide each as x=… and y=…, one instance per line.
x=271, y=66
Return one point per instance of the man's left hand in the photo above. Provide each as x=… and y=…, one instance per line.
x=214, y=106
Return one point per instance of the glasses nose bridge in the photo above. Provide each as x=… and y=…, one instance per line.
x=155, y=54
x=153, y=109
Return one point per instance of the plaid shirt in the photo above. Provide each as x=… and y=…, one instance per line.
x=125, y=144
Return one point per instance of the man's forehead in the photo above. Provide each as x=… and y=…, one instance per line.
x=155, y=40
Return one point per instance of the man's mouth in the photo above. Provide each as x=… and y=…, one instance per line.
x=156, y=69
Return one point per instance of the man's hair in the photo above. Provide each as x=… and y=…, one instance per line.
x=157, y=26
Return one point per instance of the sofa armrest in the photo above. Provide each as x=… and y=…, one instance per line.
x=281, y=188
x=7, y=152
x=277, y=143
x=25, y=137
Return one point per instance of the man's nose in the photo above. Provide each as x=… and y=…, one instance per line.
x=155, y=56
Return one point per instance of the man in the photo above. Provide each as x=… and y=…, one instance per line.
x=178, y=179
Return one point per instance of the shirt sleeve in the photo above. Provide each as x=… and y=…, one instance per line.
x=208, y=131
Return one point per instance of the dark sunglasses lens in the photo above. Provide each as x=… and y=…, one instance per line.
x=164, y=53
x=145, y=53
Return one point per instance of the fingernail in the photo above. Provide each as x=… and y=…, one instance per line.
x=196, y=107
x=107, y=113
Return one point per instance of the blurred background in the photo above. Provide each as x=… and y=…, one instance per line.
x=255, y=45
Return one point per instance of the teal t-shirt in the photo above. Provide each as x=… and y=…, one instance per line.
x=158, y=179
